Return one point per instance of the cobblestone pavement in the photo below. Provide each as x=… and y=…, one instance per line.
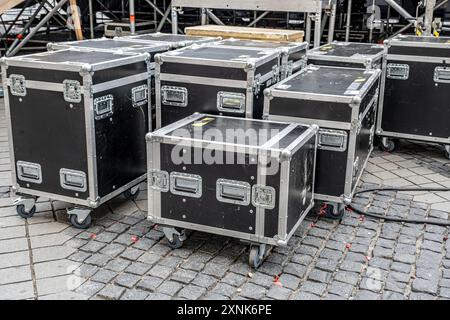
x=123, y=256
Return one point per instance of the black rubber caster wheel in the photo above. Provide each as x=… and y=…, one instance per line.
x=389, y=146
x=80, y=225
x=254, y=258
x=22, y=213
x=331, y=214
x=176, y=242
x=131, y=196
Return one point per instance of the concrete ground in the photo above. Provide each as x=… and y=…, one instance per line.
x=123, y=256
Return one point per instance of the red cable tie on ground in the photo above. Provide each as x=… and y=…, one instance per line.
x=134, y=239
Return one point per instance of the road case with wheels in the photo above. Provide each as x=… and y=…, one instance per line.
x=77, y=123
x=122, y=45
x=207, y=78
x=347, y=54
x=343, y=102
x=415, y=91
x=293, y=54
x=243, y=178
x=176, y=40
x=123, y=28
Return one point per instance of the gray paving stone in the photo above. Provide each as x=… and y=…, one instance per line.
x=127, y=280
x=117, y=264
x=149, y=283
x=98, y=259
x=205, y=281
x=15, y=274
x=138, y=268
x=14, y=259
x=54, y=268
x=132, y=254
x=279, y=293
x=134, y=294
x=113, y=250
x=16, y=291
x=160, y=271
x=111, y=292
x=169, y=287
x=314, y=287
x=252, y=291
x=52, y=253
x=158, y=296
x=183, y=276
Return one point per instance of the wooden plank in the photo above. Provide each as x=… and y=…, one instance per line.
x=246, y=33
x=76, y=19
x=9, y=4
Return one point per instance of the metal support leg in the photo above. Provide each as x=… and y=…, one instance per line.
x=163, y=19
x=308, y=28
x=91, y=19
x=259, y=18
x=349, y=21
x=428, y=20
x=174, y=20
x=132, y=17
x=203, y=16
x=317, y=29
x=332, y=22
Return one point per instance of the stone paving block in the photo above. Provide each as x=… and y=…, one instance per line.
x=112, y=250
x=98, y=259
x=117, y=265
x=68, y=295
x=15, y=274
x=13, y=245
x=160, y=271
x=46, y=228
x=58, y=284
x=134, y=294
x=252, y=291
x=12, y=232
x=279, y=293
x=52, y=253
x=183, y=276
x=205, y=281
x=127, y=280
x=48, y=240
x=150, y=283
x=16, y=291
x=14, y=259
x=111, y=292
x=169, y=287
x=138, y=268
x=158, y=296
x=54, y=268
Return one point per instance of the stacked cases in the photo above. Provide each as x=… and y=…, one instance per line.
x=343, y=102
x=415, y=93
x=77, y=122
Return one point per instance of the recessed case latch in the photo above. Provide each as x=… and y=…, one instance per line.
x=333, y=140
x=72, y=91
x=18, y=85
x=139, y=96
x=263, y=196
x=174, y=96
x=159, y=180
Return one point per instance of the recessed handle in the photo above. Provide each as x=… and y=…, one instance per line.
x=185, y=184
x=232, y=191
x=174, y=96
x=231, y=102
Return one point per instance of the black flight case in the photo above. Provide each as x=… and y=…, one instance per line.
x=243, y=178
x=293, y=54
x=122, y=45
x=343, y=102
x=415, y=91
x=208, y=79
x=347, y=54
x=77, y=124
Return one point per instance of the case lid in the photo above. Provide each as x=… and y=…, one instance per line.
x=176, y=40
x=222, y=130
x=75, y=60
x=210, y=53
x=318, y=82
x=403, y=39
x=115, y=45
x=354, y=50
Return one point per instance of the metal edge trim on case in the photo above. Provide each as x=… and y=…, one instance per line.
x=423, y=59
x=203, y=80
x=360, y=60
x=310, y=121
x=157, y=94
x=351, y=152
x=90, y=138
x=379, y=119
x=250, y=94
x=167, y=57
x=260, y=180
x=303, y=138
x=395, y=42
x=119, y=82
x=284, y=167
x=414, y=137
x=311, y=96
x=280, y=135
x=175, y=125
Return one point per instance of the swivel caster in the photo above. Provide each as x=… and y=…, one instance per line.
x=257, y=255
x=332, y=211
x=175, y=237
x=447, y=152
x=133, y=193
x=25, y=207
x=80, y=218
x=387, y=145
